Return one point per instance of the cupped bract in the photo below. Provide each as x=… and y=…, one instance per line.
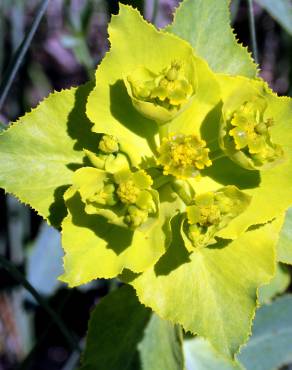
x=116, y=196
x=163, y=95
x=99, y=245
x=154, y=73
x=270, y=187
x=211, y=212
x=246, y=135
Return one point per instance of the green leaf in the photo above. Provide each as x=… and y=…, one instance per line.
x=281, y=10
x=199, y=355
x=276, y=286
x=270, y=347
x=205, y=24
x=205, y=289
x=285, y=240
x=134, y=43
x=39, y=152
x=161, y=347
x=270, y=189
x=97, y=249
x=123, y=335
x=273, y=195
x=115, y=328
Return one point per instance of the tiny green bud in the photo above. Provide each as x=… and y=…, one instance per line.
x=108, y=144
x=135, y=216
x=163, y=83
x=97, y=160
x=172, y=74
x=128, y=192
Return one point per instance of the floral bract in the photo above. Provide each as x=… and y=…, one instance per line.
x=164, y=95
x=211, y=212
x=246, y=136
x=165, y=174
x=117, y=196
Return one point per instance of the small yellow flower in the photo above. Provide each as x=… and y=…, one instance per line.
x=248, y=136
x=108, y=144
x=128, y=192
x=183, y=156
x=211, y=212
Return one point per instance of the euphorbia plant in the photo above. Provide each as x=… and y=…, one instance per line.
x=165, y=174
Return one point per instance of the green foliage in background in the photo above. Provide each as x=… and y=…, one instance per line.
x=268, y=348
x=123, y=335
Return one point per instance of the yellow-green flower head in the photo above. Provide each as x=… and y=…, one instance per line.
x=108, y=144
x=211, y=212
x=161, y=96
x=134, y=191
x=113, y=195
x=128, y=192
x=136, y=216
x=183, y=156
x=246, y=136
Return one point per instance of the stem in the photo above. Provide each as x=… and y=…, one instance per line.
x=28, y=361
x=163, y=131
x=162, y=180
x=74, y=358
x=212, y=141
x=219, y=157
x=234, y=10
x=155, y=11
x=184, y=190
x=54, y=316
x=252, y=30
x=217, y=154
x=19, y=55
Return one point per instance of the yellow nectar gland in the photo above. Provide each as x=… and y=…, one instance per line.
x=183, y=156
x=128, y=192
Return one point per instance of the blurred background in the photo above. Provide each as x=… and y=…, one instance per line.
x=43, y=330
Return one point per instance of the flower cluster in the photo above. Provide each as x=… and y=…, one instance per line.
x=161, y=96
x=167, y=176
x=111, y=189
x=246, y=136
x=213, y=149
x=211, y=212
